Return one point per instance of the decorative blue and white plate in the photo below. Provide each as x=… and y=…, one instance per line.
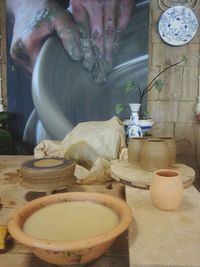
x=178, y=25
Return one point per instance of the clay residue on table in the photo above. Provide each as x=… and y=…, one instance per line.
x=31, y=195
x=11, y=177
x=12, y=203
x=2, y=166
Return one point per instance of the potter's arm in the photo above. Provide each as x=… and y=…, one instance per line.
x=99, y=24
x=34, y=21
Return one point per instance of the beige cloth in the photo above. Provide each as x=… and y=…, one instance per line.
x=93, y=145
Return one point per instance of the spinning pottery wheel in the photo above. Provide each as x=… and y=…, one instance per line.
x=133, y=175
x=64, y=93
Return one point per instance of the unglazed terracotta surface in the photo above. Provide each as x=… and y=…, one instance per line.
x=134, y=149
x=154, y=155
x=70, y=252
x=47, y=174
x=171, y=143
x=166, y=189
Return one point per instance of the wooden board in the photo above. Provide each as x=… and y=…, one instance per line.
x=133, y=175
x=14, y=196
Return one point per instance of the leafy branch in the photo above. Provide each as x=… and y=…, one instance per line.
x=154, y=83
x=3, y=117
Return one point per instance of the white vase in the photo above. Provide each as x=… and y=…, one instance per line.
x=134, y=129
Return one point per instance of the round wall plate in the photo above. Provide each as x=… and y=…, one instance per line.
x=177, y=25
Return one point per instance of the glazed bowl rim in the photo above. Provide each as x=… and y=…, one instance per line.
x=147, y=121
x=16, y=221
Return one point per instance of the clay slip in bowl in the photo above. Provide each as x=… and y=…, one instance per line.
x=70, y=252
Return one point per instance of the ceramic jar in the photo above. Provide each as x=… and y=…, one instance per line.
x=166, y=189
x=134, y=149
x=171, y=143
x=154, y=155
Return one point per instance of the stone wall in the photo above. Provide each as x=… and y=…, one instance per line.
x=173, y=108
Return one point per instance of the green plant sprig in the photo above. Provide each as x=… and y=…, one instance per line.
x=3, y=116
x=154, y=83
x=151, y=84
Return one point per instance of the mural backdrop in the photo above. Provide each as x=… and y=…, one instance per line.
x=62, y=92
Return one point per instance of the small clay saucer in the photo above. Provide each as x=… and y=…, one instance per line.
x=47, y=174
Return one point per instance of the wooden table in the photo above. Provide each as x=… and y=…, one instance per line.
x=164, y=238
x=14, y=196
x=156, y=238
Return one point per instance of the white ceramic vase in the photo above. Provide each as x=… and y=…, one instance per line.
x=134, y=129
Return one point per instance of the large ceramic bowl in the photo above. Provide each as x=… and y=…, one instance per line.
x=70, y=252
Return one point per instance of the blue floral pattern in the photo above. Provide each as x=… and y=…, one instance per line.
x=134, y=129
x=177, y=25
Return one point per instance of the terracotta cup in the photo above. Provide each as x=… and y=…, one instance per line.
x=166, y=189
x=154, y=155
x=134, y=149
x=172, y=149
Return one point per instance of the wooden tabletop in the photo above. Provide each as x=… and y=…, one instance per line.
x=156, y=238
x=14, y=196
x=164, y=238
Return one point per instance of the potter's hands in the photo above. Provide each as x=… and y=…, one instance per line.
x=89, y=36
x=34, y=22
x=102, y=21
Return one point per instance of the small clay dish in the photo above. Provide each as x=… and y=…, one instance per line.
x=47, y=174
